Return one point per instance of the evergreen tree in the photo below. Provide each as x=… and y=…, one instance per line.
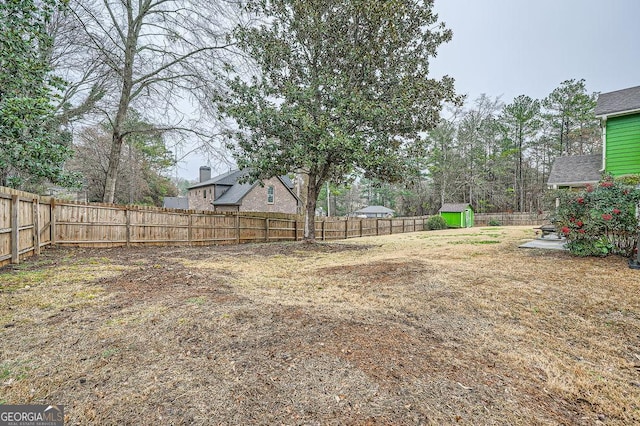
x=33, y=149
x=344, y=87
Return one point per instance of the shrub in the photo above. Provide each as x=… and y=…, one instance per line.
x=494, y=222
x=436, y=222
x=600, y=220
x=630, y=180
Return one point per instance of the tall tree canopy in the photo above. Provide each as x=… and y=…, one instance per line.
x=520, y=122
x=344, y=86
x=154, y=56
x=32, y=147
x=570, y=117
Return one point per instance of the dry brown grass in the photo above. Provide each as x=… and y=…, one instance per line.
x=456, y=326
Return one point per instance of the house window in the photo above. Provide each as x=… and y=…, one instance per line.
x=270, y=195
x=204, y=193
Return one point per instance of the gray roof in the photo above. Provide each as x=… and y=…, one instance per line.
x=234, y=195
x=230, y=178
x=288, y=182
x=620, y=101
x=374, y=209
x=176, y=203
x=576, y=169
x=454, y=207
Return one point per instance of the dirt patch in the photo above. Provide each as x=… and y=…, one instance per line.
x=423, y=328
x=295, y=249
x=378, y=273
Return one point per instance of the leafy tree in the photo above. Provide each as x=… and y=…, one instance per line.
x=570, y=117
x=520, y=122
x=466, y=161
x=343, y=199
x=33, y=149
x=477, y=137
x=344, y=87
x=445, y=161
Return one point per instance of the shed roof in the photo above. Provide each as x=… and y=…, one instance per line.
x=618, y=102
x=375, y=209
x=576, y=169
x=454, y=207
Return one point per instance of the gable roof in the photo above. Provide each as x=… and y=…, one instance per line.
x=232, y=177
x=234, y=195
x=375, y=209
x=575, y=169
x=229, y=179
x=454, y=207
x=237, y=191
x=619, y=102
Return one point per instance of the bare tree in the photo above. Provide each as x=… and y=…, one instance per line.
x=161, y=57
x=144, y=163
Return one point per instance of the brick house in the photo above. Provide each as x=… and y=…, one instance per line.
x=227, y=193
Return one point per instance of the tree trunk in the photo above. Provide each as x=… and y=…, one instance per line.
x=131, y=44
x=310, y=210
x=112, y=170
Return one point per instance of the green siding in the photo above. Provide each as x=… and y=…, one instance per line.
x=454, y=220
x=458, y=219
x=623, y=145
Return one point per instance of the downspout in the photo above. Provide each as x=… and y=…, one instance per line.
x=603, y=123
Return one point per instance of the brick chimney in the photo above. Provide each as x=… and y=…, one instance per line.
x=205, y=173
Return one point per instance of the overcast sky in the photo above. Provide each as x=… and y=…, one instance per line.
x=515, y=47
x=512, y=47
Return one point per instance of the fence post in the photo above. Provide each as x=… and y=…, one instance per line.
x=36, y=226
x=295, y=229
x=52, y=222
x=390, y=226
x=360, y=228
x=322, y=228
x=266, y=229
x=127, y=220
x=238, y=227
x=346, y=229
x=15, y=230
x=190, y=228
x=377, y=226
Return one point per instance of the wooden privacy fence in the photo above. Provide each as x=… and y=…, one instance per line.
x=511, y=219
x=25, y=224
x=29, y=222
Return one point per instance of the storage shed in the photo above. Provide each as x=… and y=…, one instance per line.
x=457, y=215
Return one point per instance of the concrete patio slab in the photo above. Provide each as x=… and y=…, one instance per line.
x=551, y=243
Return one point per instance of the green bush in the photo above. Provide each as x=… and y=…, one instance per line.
x=436, y=222
x=494, y=222
x=600, y=220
